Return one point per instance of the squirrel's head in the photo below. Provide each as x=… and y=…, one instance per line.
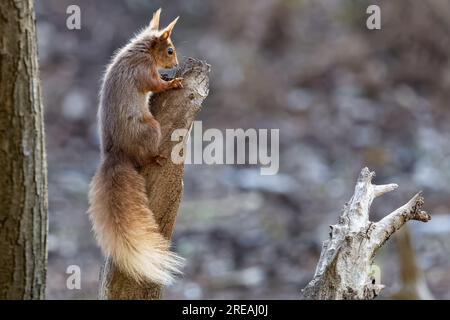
x=163, y=50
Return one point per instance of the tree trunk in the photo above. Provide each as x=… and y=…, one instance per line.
x=23, y=178
x=345, y=268
x=175, y=109
x=414, y=286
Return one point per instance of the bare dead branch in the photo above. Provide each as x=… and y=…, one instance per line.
x=344, y=270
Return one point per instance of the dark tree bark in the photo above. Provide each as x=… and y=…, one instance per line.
x=23, y=176
x=175, y=109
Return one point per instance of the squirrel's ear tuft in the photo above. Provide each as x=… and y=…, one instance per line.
x=154, y=23
x=165, y=34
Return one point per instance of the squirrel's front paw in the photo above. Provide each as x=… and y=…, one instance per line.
x=176, y=83
x=159, y=159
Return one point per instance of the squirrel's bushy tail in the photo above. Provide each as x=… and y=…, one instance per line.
x=125, y=227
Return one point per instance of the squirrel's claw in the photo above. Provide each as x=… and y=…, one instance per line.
x=159, y=159
x=176, y=83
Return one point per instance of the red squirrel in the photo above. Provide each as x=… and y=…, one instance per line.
x=124, y=225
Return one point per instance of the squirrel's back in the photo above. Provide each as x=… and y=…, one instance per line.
x=121, y=100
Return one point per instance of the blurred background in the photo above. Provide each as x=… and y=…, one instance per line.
x=343, y=97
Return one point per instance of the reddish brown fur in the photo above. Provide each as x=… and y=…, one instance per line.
x=130, y=137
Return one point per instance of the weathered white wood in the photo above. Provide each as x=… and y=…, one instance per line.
x=344, y=268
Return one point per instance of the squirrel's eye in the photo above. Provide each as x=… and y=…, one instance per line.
x=170, y=50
